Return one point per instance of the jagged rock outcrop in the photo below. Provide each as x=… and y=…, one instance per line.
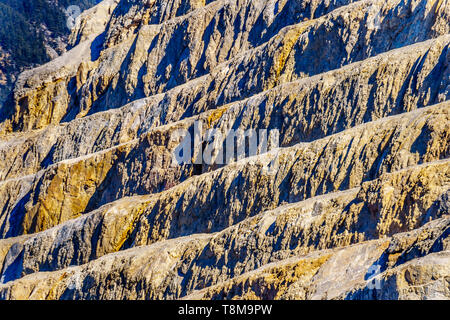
x=93, y=207
x=152, y=67
x=337, y=162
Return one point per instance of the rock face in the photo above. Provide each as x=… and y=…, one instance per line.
x=352, y=204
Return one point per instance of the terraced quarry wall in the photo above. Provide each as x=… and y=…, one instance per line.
x=93, y=207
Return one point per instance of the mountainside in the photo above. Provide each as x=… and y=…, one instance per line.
x=31, y=33
x=352, y=202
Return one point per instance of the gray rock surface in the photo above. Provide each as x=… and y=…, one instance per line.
x=92, y=207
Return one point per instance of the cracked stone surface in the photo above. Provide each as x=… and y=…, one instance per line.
x=92, y=207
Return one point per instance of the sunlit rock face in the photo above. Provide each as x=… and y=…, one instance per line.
x=352, y=202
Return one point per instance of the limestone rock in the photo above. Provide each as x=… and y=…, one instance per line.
x=352, y=204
